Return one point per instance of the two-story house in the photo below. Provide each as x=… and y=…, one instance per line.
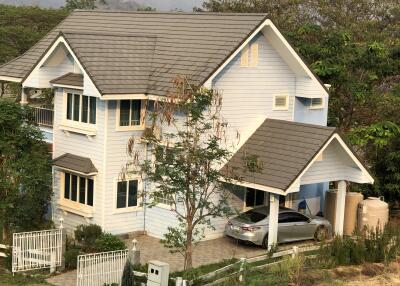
x=106, y=68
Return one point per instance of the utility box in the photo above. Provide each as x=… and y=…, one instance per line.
x=158, y=273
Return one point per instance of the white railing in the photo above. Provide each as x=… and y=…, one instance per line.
x=43, y=116
x=37, y=250
x=2, y=246
x=97, y=269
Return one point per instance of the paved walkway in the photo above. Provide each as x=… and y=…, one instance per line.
x=205, y=252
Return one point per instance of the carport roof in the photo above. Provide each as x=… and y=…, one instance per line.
x=277, y=153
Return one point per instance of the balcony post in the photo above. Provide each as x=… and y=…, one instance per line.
x=24, y=96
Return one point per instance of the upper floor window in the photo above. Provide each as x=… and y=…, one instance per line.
x=316, y=103
x=81, y=108
x=249, y=55
x=78, y=189
x=127, y=194
x=281, y=102
x=129, y=114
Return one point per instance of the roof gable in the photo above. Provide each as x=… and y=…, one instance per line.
x=192, y=44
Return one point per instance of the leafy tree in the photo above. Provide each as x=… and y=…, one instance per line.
x=128, y=279
x=71, y=5
x=25, y=170
x=186, y=168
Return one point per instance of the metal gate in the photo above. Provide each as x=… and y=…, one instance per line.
x=37, y=249
x=98, y=269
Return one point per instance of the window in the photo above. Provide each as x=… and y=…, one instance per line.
x=249, y=56
x=254, y=197
x=281, y=102
x=127, y=194
x=78, y=189
x=291, y=217
x=81, y=108
x=316, y=103
x=130, y=112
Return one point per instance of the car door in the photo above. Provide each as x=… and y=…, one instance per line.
x=284, y=228
x=300, y=227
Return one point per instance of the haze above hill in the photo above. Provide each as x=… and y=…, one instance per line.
x=160, y=5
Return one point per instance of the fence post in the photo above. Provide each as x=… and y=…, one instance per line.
x=63, y=245
x=134, y=253
x=295, y=251
x=243, y=261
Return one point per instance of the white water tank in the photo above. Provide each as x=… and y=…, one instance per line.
x=372, y=213
x=350, y=212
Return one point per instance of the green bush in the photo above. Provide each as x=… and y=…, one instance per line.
x=109, y=242
x=71, y=258
x=86, y=235
x=372, y=246
x=127, y=276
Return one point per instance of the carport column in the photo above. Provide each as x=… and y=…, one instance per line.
x=273, y=220
x=24, y=96
x=340, y=205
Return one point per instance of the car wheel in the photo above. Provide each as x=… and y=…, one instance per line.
x=265, y=242
x=321, y=233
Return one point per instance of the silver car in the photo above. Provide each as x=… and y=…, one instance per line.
x=252, y=226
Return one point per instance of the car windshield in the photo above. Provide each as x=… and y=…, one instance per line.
x=254, y=215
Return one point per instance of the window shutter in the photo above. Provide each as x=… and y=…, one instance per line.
x=244, y=60
x=254, y=55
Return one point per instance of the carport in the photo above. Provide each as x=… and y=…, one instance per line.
x=281, y=157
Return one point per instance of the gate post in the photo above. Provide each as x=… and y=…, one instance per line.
x=63, y=245
x=134, y=253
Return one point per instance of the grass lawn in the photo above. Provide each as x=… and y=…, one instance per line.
x=7, y=279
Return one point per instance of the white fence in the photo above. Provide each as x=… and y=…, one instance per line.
x=37, y=249
x=102, y=268
x=2, y=246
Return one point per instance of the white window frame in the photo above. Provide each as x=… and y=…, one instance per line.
x=141, y=126
x=138, y=207
x=72, y=206
x=317, y=106
x=249, y=55
x=286, y=107
x=78, y=126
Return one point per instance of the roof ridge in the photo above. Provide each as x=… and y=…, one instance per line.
x=108, y=34
x=172, y=12
x=302, y=124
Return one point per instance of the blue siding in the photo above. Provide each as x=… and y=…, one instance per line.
x=302, y=113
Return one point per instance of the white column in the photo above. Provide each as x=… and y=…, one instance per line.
x=340, y=205
x=273, y=220
x=24, y=96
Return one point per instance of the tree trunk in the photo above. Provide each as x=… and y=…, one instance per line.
x=5, y=233
x=189, y=249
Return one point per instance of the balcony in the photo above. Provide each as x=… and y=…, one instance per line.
x=43, y=116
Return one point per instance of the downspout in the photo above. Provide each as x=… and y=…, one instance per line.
x=104, y=163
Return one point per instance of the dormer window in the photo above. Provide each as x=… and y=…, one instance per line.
x=249, y=55
x=281, y=102
x=316, y=103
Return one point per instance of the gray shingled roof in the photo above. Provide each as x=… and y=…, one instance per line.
x=76, y=163
x=73, y=79
x=191, y=44
x=282, y=149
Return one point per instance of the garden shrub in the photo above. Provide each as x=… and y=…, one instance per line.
x=86, y=235
x=109, y=242
x=373, y=246
x=127, y=276
x=71, y=258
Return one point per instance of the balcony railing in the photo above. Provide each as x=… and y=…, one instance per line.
x=43, y=116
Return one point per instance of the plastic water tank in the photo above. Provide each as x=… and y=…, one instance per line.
x=330, y=206
x=350, y=212
x=372, y=212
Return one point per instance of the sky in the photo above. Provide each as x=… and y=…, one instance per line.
x=160, y=5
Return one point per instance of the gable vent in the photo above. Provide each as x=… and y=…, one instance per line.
x=281, y=102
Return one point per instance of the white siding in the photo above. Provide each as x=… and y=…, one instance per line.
x=305, y=87
x=81, y=145
x=248, y=91
x=336, y=165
